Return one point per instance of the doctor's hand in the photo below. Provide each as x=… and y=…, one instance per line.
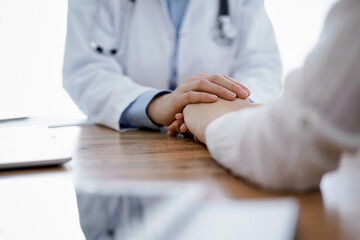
x=196, y=117
x=202, y=88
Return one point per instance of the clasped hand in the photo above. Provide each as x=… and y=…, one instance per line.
x=202, y=88
x=196, y=117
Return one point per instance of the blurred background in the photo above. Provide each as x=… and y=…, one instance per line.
x=32, y=37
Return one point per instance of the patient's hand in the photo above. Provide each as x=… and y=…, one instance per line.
x=196, y=117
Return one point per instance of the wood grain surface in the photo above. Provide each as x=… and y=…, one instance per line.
x=333, y=212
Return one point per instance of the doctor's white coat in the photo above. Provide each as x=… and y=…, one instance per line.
x=103, y=86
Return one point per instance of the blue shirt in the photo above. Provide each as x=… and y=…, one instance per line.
x=135, y=115
x=177, y=12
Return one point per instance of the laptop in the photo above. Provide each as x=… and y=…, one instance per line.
x=29, y=146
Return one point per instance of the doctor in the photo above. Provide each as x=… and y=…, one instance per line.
x=123, y=58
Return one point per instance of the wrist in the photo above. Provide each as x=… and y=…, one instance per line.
x=155, y=109
x=201, y=134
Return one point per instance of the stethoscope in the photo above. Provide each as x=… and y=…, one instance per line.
x=224, y=33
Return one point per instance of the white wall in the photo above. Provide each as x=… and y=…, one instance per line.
x=297, y=24
x=32, y=34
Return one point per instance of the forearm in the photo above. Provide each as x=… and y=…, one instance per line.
x=272, y=149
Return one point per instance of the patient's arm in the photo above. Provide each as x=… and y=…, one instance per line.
x=293, y=142
x=198, y=116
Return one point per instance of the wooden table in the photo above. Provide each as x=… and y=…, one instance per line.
x=103, y=154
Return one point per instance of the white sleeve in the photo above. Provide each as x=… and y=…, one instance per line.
x=95, y=82
x=258, y=63
x=293, y=142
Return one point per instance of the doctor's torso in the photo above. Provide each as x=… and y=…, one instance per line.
x=147, y=37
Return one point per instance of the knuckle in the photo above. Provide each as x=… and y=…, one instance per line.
x=226, y=77
x=190, y=79
x=214, y=77
x=217, y=76
x=187, y=96
x=224, y=91
x=202, y=82
x=193, y=97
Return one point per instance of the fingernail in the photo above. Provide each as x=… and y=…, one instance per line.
x=244, y=93
x=231, y=94
x=213, y=97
